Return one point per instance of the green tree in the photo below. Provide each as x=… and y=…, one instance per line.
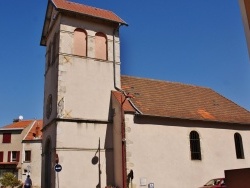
x=9, y=179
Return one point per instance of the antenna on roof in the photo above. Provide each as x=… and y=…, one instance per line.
x=20, y=117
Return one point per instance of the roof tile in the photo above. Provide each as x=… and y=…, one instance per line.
x=87, y=10
x=18, y=125
x=35, y=132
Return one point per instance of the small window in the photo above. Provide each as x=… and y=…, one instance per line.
x=195, y=145
x=238, y=146
x=27, y=156
x=6, y=137
x=13, y=156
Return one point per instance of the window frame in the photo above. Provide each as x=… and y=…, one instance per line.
x=195, y=146
x=239, y=149
x=27, y=156
x=10, y=156
x=13, y=156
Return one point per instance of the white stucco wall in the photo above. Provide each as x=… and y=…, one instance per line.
x=77, y=146
x=160, y=153
x=87, y=86
x=35, y=163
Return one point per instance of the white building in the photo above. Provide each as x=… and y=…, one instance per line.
x=21, y=149
x=107, y=129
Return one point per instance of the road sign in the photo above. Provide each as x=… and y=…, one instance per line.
x=58, y=168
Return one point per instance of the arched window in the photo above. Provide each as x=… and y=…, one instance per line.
x=80, y=42
x=101, y=46
x=195, y=145
x=238, y=146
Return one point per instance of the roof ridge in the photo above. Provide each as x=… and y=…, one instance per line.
x=92, y=11
x=69, y=1
x=167, y=81
x=231, y=101
x=22, y=121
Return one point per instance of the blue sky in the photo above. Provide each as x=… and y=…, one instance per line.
x=194, y=42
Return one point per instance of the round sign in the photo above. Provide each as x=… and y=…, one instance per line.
x=58, y=168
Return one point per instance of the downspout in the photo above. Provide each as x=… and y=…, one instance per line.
x=114, y=60
x=124, y=167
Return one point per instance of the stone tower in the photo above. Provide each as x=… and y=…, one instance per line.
x=82, y=67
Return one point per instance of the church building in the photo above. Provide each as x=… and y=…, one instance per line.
x=103, y=129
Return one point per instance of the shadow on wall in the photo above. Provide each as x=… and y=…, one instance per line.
x=108, y=148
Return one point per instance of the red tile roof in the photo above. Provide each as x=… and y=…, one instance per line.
x=35, y=132
x=87, y=10
x=177, y=100
x=18, y=125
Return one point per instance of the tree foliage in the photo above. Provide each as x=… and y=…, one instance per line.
x=9, y=179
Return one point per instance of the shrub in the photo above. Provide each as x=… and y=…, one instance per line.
x=9, y=179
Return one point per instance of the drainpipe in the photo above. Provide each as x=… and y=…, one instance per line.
x=124, y=174
x=114, y=71
x=127, y=97
x=124, y=166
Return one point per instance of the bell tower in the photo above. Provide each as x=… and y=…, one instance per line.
x=82, y=68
